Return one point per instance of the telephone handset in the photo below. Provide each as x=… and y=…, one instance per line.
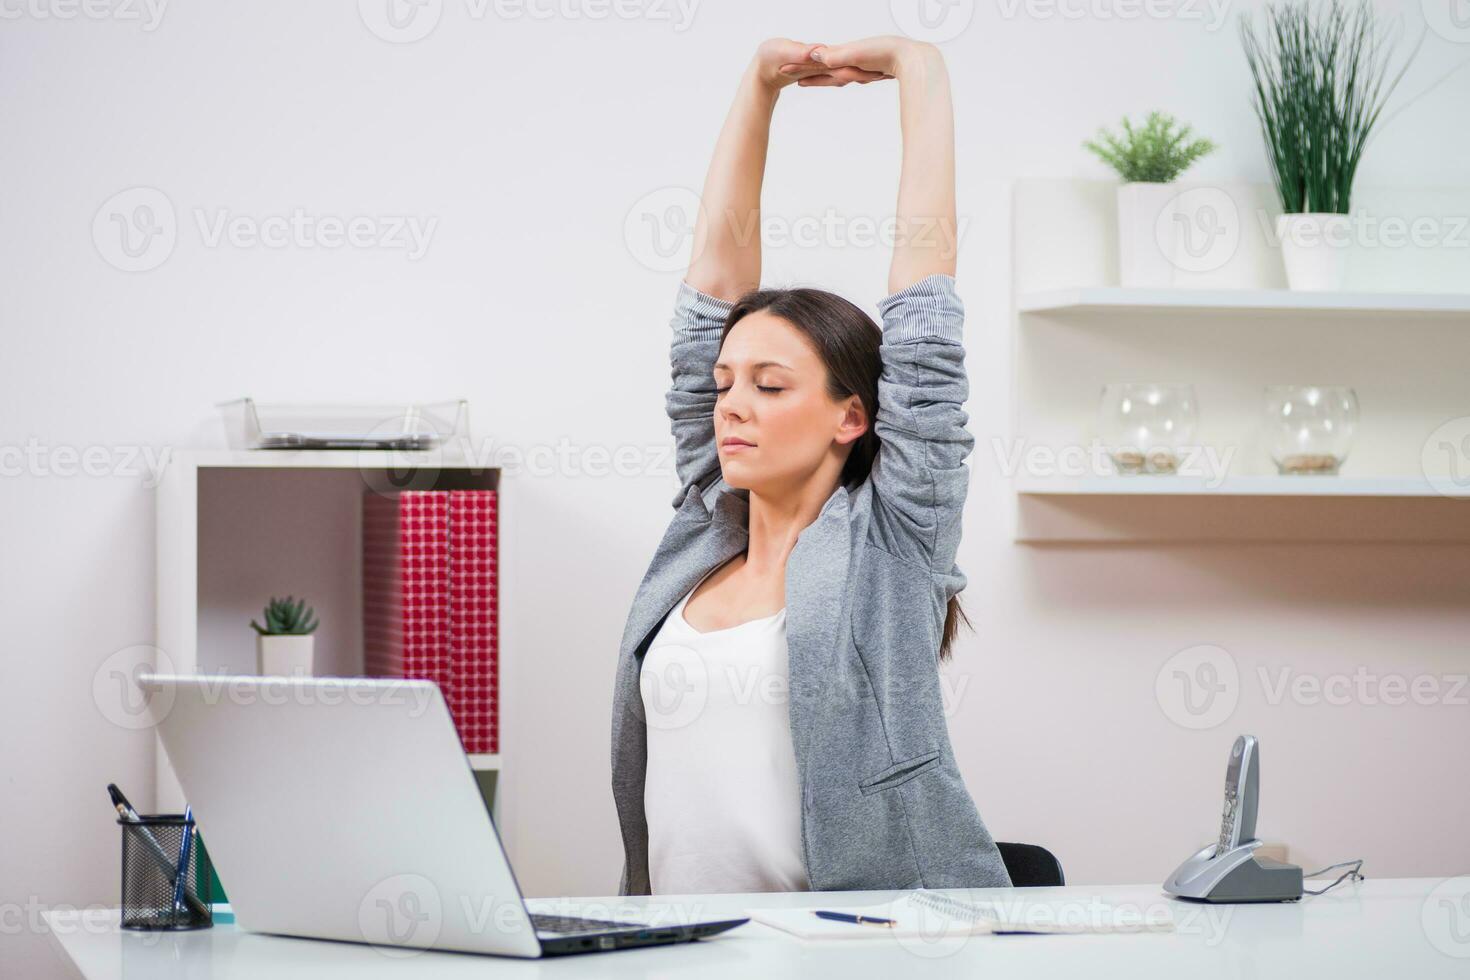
x=1228, y=870
x=1242, y=793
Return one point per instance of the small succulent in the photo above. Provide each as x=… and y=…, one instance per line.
x=285, y=617
x=1154, y=153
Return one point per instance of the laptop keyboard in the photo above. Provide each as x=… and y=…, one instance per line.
x=545, y=922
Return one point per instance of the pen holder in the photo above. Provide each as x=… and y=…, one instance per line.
x=150, y=850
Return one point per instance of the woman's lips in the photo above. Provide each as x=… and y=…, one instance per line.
x=735, y=447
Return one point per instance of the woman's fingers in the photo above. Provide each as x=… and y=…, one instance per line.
x=871, y=53
x=775, y=53
x=854, y=55
x=796, y=53
x=781, y=50
x=856, y=74
x=842, y=76
x=803, y=52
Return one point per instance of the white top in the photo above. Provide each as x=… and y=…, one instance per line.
x=721, y=792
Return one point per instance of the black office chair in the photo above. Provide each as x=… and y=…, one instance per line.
x=1031, y=865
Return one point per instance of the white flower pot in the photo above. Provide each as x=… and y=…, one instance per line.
x=1148, y=234
x=284, y=656
x=1314, y=249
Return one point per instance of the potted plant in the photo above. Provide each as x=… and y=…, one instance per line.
x=283, y=645
x=1148, y=159
x=1320, y=84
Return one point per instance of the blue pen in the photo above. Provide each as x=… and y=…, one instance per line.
x=855, y=919
x=182, y=875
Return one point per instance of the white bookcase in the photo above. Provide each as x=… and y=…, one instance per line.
x=1401, y=339
x=234, y=527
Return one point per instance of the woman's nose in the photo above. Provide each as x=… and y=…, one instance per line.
x=734, y=402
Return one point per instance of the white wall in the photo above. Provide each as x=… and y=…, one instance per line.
x=529, y=141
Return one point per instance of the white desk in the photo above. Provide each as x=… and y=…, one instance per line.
x=1406, y=927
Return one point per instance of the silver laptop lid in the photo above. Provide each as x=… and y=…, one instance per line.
x=341, y=808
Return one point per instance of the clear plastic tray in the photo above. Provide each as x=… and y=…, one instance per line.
x=252, y=425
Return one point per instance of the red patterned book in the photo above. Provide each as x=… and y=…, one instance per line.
x=405, y=586
x=430, y=600
x=474, y=649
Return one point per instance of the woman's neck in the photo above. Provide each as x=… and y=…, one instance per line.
x=776, y=522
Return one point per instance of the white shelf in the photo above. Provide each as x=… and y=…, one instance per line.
x=1400, y=336
x=1238, y=486
x=1095, y=299
x=326, y=458
x=313, y=497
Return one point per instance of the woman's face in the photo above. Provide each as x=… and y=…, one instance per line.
x=772, y=393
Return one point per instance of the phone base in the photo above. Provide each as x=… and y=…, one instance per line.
x=1235, y=876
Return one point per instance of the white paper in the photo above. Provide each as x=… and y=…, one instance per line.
x=930, y=915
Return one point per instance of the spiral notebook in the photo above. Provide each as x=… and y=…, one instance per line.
x=929, y=914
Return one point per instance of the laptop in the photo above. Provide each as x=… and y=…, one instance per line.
x=345, y=808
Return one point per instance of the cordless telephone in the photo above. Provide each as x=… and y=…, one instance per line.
x=1242, y=789
x=1229, y=870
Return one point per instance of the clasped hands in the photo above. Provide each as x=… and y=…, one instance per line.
x=780, y=61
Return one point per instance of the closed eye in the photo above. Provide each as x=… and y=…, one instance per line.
x=721, y=391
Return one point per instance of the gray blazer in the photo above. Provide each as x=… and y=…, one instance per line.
x=883, y=804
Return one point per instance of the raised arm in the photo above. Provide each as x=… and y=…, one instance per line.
x=919, y=477
x=927, y=239
x=726, y=259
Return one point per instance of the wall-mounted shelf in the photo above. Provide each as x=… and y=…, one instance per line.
x=1240, y=486
x=1400, y=338
x=1116, y=299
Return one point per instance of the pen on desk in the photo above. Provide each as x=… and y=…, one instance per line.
x=155, y=849
x=181, y=878
x=857, y=919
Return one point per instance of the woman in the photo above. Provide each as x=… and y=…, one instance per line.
x=777, y=720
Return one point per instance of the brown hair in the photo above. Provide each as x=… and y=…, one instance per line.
x=847, y=341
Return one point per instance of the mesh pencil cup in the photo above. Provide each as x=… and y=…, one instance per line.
x=150, y=850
